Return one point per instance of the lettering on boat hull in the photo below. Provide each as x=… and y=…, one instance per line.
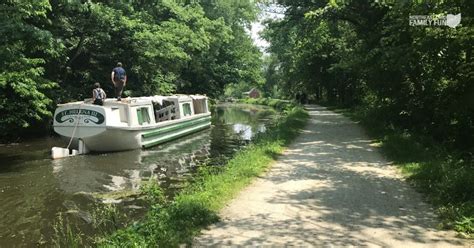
x=89, y=116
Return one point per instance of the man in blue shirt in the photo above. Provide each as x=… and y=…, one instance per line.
x=119, y=79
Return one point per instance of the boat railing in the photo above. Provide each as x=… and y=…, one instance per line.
x=165, y=113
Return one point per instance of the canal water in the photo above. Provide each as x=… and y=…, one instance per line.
x=35, y=190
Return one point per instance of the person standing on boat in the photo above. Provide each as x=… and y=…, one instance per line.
x=98, y=95
x=119, y=79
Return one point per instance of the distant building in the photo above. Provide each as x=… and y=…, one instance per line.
x=253, y=93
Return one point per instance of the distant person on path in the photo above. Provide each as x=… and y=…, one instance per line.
x=119, y=79
x=98, y=95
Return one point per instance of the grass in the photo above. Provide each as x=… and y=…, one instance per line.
x=275, y=103
x=171, y=223
x=65, y=234
x=443, y=175
x=105, y=219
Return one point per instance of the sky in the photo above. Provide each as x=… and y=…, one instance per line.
x=268, y=12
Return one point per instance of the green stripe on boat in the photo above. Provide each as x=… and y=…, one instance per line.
x=172, y=137
x=175, y=127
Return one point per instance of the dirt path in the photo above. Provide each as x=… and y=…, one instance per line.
x=330, y=188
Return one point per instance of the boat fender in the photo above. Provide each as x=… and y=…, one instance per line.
x=59, y=152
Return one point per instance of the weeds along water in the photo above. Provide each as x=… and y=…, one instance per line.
x=171, y=222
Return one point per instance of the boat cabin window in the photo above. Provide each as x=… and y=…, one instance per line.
x=165, y=111
x=143, y=116
x=200, y=106
x=187, y=109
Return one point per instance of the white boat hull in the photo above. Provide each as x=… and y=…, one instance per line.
x=100, y=129
x=114, y=139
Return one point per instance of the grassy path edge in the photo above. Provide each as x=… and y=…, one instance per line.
x=171, y=223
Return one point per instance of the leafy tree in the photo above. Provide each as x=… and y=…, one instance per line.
x=365, y=54
x=24, y=46
x=165, y=46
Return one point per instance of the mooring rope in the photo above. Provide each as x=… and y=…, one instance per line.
x=75, y=127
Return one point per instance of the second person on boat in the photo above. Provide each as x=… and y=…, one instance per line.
x=119, y=79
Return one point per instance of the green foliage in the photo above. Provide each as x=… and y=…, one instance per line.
x=235, y=90
x=105, y=219
x=275, y=103
x=165, y=46
x=364, y=54
x=23, y=49
x=409, y=85
x=176, y=222
x=65, y=234
x=273, y=86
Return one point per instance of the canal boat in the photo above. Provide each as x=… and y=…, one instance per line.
x=132, y=123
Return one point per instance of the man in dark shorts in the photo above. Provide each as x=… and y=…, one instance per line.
x=119, y=79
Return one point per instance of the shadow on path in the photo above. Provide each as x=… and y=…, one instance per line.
x=331, y=187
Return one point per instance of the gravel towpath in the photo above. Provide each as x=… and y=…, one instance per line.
x=330, y=188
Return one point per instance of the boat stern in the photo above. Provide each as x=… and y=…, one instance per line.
x=79, y=120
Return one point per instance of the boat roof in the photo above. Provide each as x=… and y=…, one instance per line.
x=140, y=100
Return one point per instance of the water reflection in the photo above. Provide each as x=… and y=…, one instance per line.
x=245, y=122
x=34, y=188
